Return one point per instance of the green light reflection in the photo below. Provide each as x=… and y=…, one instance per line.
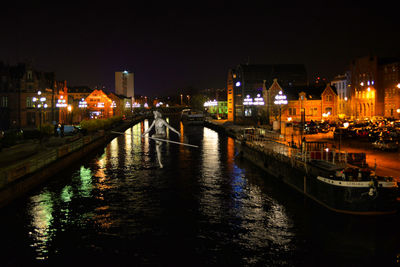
x=66, y=193
x=86, y=182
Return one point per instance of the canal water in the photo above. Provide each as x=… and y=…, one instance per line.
x=206, y=207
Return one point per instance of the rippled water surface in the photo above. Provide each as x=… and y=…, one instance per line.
x=205, y=207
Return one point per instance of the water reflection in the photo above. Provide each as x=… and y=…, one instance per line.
x=207, y=207
x=113, y=152
x=41, y=211
x=210, y=183
x=85, y=187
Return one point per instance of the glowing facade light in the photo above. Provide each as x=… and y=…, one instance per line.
x=82, y=104
x=238, y=84
x=61, y=103
x=136, y=105
x=280, y=99
x=257, y=101
x=211, y=103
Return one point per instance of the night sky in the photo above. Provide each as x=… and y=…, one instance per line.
x=170, y=48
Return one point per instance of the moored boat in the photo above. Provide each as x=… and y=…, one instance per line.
x=190, y=116
x=328, y=180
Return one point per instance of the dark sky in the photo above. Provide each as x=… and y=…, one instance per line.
x=169, y=48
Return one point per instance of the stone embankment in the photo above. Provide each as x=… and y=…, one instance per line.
x=25, y=166
x=225, y=127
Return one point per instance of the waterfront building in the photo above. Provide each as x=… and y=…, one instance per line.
x=76, y=93
x=374, y=87
x=124, y=84
x=366, y=92
x=217, y=109
x=99, y=105
x=20, y=85
x=247, y=82
x=121, y=105
x=311, y=104
x=342, y=85
x=390, y=73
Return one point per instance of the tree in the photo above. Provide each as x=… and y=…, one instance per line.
x=197, y=101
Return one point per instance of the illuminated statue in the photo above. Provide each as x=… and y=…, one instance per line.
x=159, y=124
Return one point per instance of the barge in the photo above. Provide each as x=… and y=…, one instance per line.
x=324, y=176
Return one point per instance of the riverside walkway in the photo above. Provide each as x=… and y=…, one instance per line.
x=26, y=165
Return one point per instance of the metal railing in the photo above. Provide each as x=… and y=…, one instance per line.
x=272, y=143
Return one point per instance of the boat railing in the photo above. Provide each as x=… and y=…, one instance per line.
x=272, y=145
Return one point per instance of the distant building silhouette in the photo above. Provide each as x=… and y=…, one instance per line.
x=124, y=84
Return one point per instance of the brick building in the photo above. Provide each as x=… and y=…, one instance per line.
x=20, y=85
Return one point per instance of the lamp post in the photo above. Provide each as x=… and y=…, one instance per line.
x=280, y=99
x=82, y=106
x=61, y=103
x=69, y=108
x=40, y=103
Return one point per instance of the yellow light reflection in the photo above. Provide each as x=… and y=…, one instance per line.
x=101, y=163
x=42, y=219
x=128, y=147
x=146, y=142
x=113, y=150
x=210, y=171
x=230, y=153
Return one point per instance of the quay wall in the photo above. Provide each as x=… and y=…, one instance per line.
x=22, y=176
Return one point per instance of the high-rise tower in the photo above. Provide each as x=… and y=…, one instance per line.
x=124, y=83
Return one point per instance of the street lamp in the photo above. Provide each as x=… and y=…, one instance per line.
x=280, y=99
x=69, y=108
x=61, y=103
x=39, y=103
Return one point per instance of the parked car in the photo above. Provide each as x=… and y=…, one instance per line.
x=69, y=130
x=385, y=144
x=343, y=133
